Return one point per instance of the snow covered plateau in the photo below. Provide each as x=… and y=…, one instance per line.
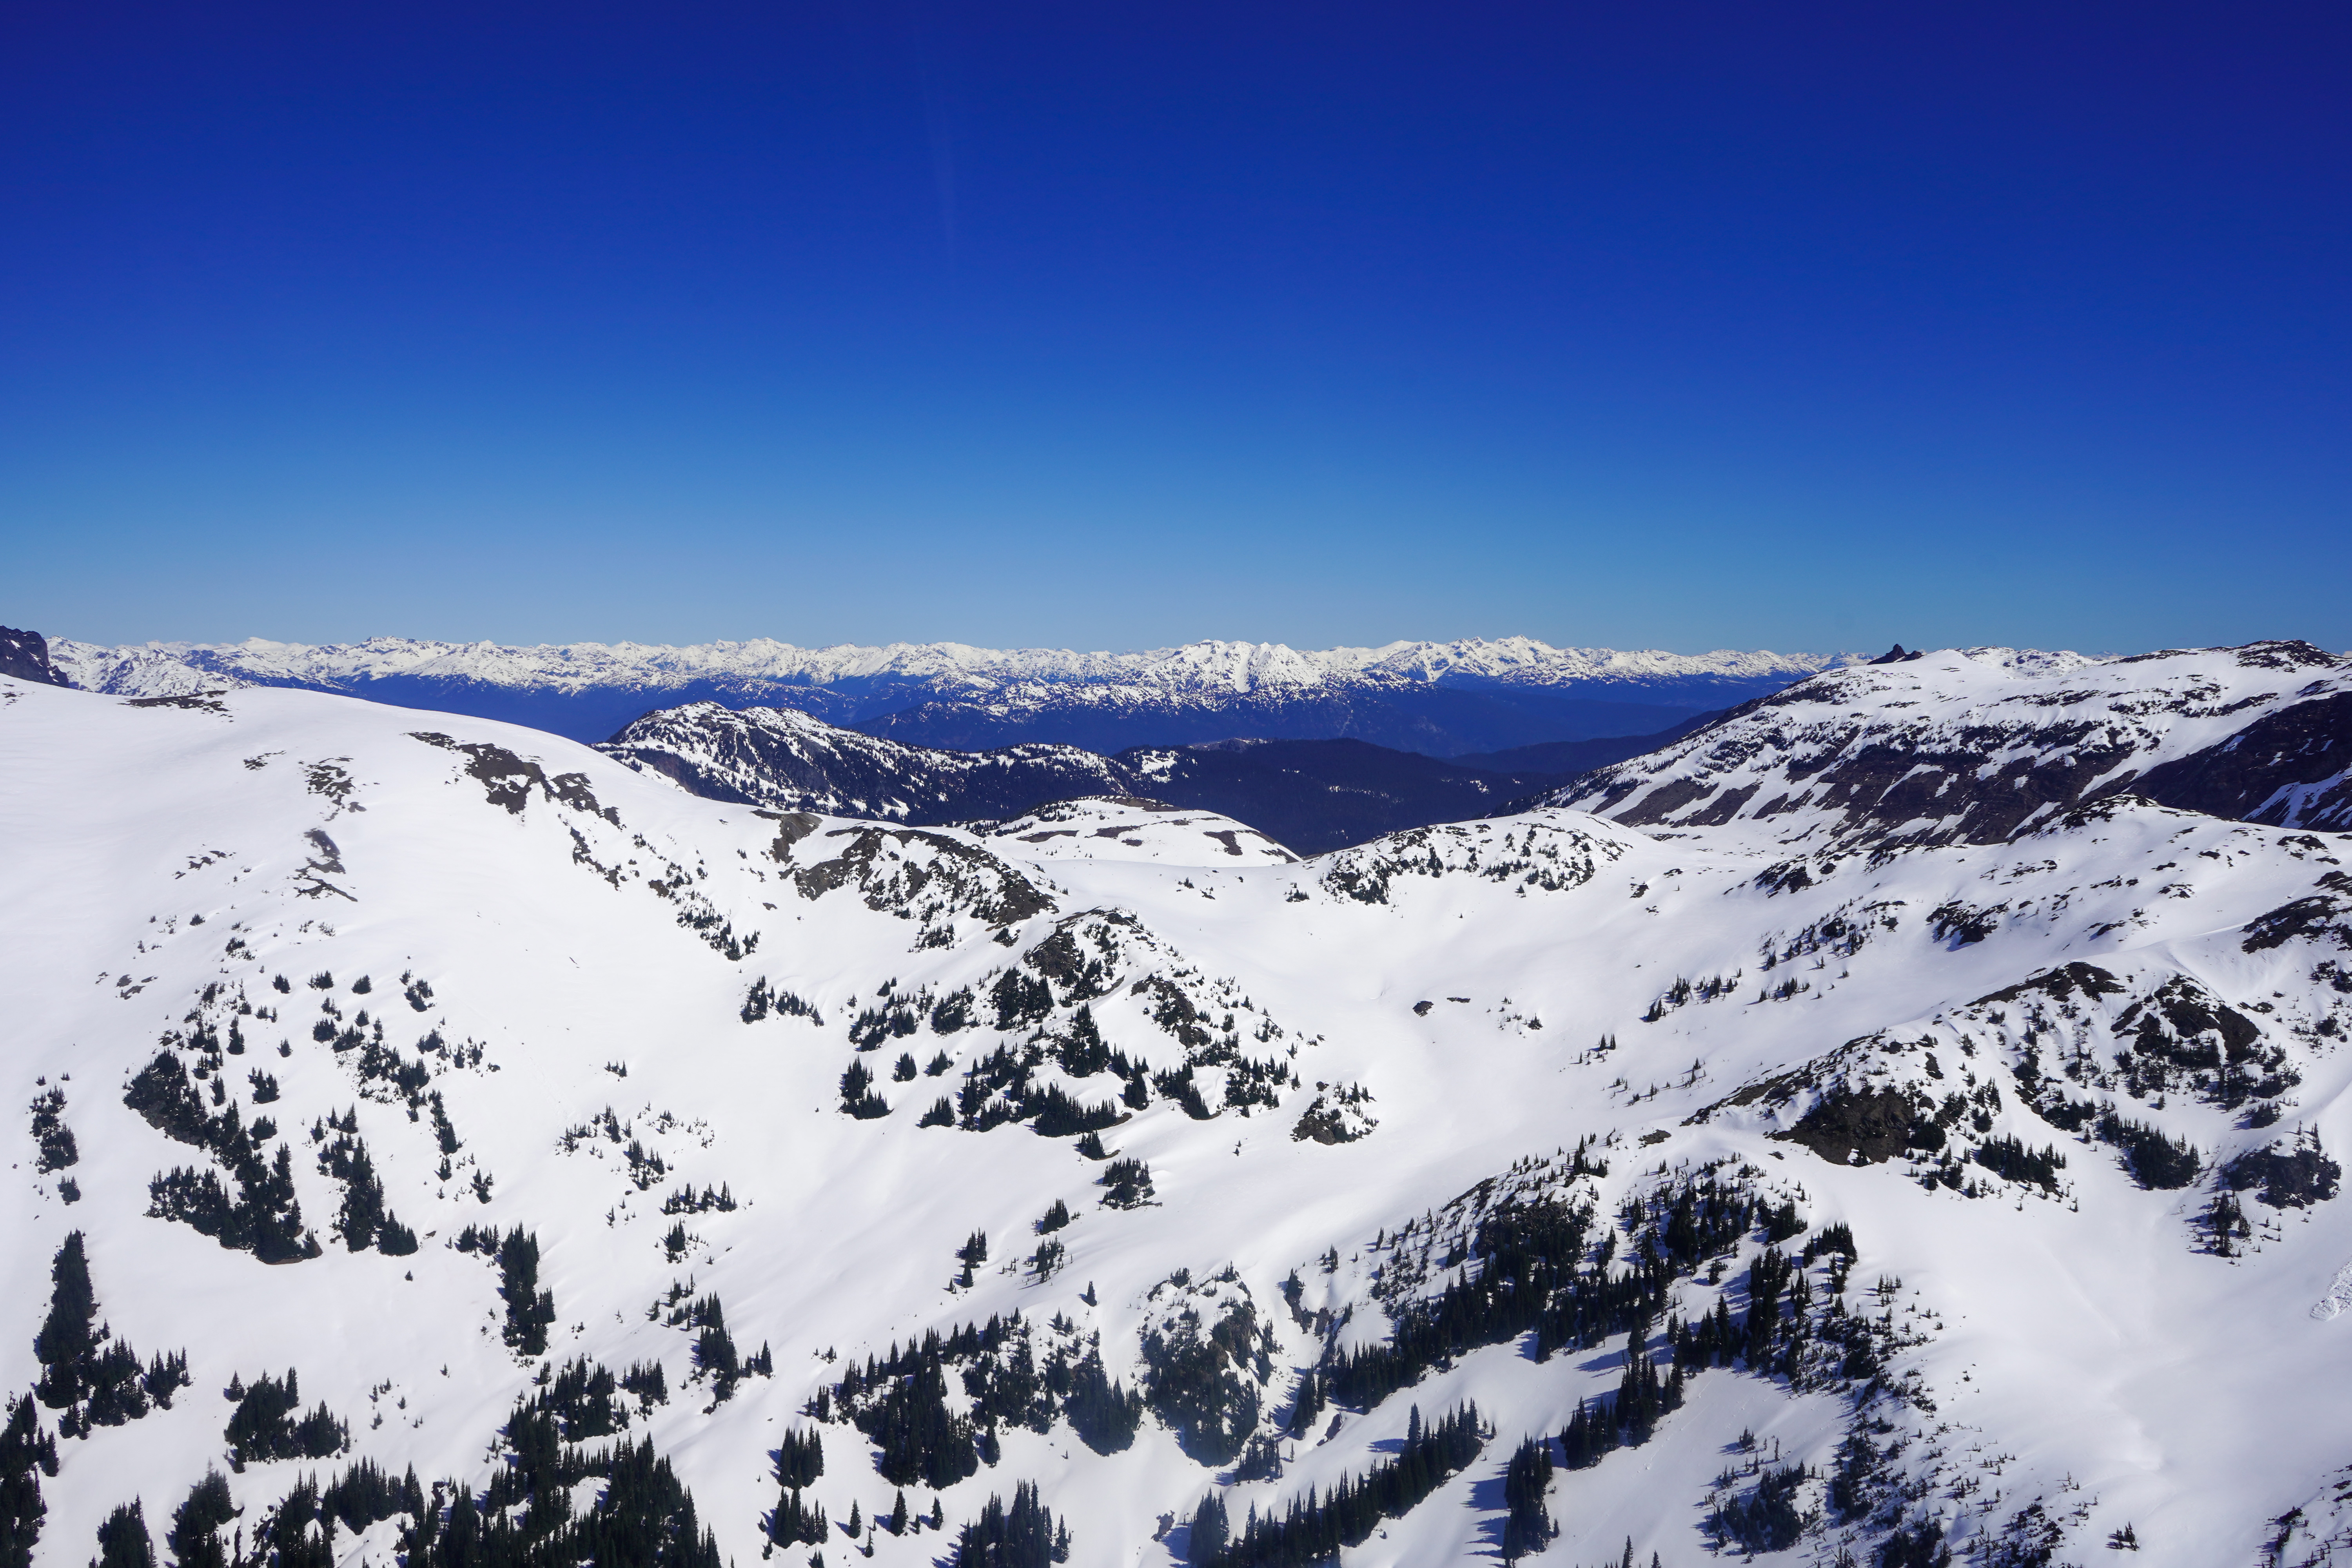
x=1938, y=1167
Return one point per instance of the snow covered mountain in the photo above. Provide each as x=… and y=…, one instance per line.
x=1439, y=697
x=1976, y=745
x=439, y=1139
x=776, y=756
x=1310, y=794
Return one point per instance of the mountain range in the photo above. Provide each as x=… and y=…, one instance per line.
x=1310, y=795
x=1895, y=1124
x=1435, y=698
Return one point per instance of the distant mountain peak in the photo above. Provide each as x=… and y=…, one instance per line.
x=1440, y=697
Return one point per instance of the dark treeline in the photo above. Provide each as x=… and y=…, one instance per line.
x=1312, y=1529
x=1024, y=1535
x=643, y=1516
x=900, y=1401
x=1532, y=1276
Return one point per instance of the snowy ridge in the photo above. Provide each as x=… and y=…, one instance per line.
x=1987, y=1188
x=1974, y=746
x=1438, y=698
x=157, y=669
x=775, y=756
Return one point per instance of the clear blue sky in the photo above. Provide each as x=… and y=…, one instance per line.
x=1105, y=325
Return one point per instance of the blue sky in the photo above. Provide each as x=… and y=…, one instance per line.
x=1682, y=326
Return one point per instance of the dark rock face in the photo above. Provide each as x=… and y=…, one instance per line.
x=25, y=657
x=1867, y=1127
x=2257, y=773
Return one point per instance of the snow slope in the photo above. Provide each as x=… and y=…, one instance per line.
x=1395, y=1054
x=1437, y=697
x=1971, y=745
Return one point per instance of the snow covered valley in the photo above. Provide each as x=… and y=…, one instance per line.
x=534, y=1163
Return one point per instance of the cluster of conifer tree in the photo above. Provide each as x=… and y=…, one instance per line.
x=1534, y=1275
x=93, y=1377
x=1059, y=1114
x=263, y=1218
x=1185, y=1090
x=686, y=1200
x=364, y=1221
x=857, y=1096
x=1312, y=1529
x=1020, y=1000
x=899, y=1400
x=26, y=1454
x=715, y=1355
x=530, y=1310
x=1203, y=1379
x=800, y=1462
x=2159, y=1162
x=1023, y=1535
x=762, y=996
x=525, y=1518
x=2295, y=1172
x=282, y=1537
x=379, y=1063
x=2009, y=1158
x=50, y=1134
x=1527, y=1524
x=1765, y=1518
x=1125, y=1184
x=1631, y=1417
x=920, y=1438
x=123, y=1538
x=268, y=1422
x=1104, y=1414
x=642, y=1515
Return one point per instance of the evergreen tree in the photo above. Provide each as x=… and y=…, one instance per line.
x=24, y=1449
x=920, y=1439
x=194, y=1536
x=799, y=1460
x=1209, y=1529
x=68, y=1342
x=50, y=1131
x=899, y=1513
x=857, y=1096
x=287, y=1531
x=1022, y=1536
x=123, y=1541
x=530, y=1310
x=459, y=1543
x=1528, y=1526
x=265, y=1424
